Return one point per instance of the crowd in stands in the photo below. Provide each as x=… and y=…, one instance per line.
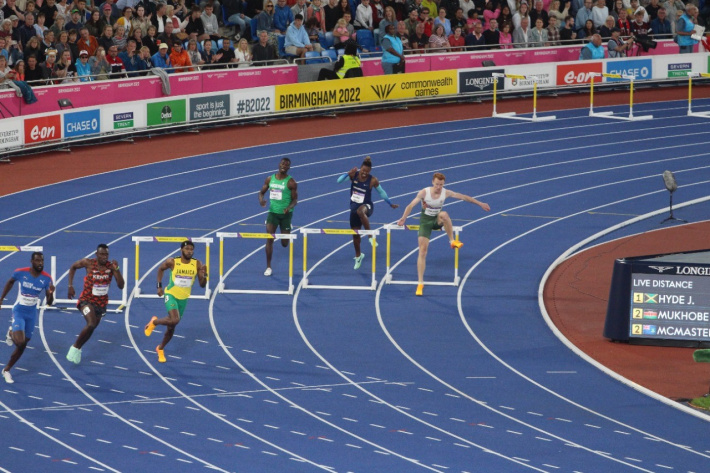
x=57, y=41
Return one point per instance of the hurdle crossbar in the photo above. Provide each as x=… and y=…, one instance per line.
x=17, y=249
x=691, y=113
x=138, y=239
x=338, y=231
x=630, y=117
x=221, y=287
x=513, y=115
x=120, y=304
x=390, y=280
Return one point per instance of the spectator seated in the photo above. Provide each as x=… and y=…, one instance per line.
x=282, y=50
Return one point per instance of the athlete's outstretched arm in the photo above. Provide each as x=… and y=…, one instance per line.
x=408, y=210
x=380, y=190
x=167, y=264
x=350, y=174
x=466, y=198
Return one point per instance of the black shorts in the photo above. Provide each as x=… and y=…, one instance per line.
x=98, y=310
x=355, y=221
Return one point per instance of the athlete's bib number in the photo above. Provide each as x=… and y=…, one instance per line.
x=100, y=290
x=28, y=300
x=275, y=194
x=432, y=211
x=357, y=197
x=182, y=281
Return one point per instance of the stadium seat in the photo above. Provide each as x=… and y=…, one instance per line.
x=328, y=41
x=225, y=18
x=365, y=39
x=314, y=57
x=254, y=25
x=330, y=53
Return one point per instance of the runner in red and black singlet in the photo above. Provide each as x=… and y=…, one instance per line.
x=94, y=298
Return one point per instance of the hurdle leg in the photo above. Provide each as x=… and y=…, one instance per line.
x=456, y=262
x=290, y=267
x=495, y=97
x=690, y=94
x=220, y=285
x=388, y=276
x=138, y=252
x=305, y=259
x=374, y=259
x=631, y=99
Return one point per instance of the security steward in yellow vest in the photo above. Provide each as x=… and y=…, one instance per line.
x=347, y=62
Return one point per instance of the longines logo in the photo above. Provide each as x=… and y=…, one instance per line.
x=661, y=269
x=382, y=91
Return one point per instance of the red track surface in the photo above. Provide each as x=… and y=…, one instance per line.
x=575, y=294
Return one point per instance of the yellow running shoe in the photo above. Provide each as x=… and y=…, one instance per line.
x=456, y=244
x=420, y=290
x=150, y=326
x=161, y=354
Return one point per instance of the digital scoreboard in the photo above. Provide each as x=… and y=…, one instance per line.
x=661, y=299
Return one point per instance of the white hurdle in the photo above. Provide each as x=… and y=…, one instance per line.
x=630, y=117
x=691, y=113
x=390, y=280
x=337, y=231
x=138, y=239
x=221, y=287
x=120, y=303
x=513, y=115
x=17, y=249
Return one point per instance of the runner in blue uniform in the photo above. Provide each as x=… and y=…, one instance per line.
x=361, y=206
x=33, y=280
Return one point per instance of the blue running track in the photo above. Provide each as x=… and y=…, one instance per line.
x=464, y=379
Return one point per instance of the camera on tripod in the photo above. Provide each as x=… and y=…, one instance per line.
x=645, y=41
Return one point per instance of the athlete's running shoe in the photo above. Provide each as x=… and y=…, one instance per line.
x=8, y=377
x=456, y=244
x=420, y=290
x=358, y=260
x=268, y=272
x=161, y=354
x=8, y=337
x=74, y=355
x=373, y=242
x=150, y=326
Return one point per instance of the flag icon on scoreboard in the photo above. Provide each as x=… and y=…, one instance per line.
x=651, y=299
x=649, y=330
x=650, y=314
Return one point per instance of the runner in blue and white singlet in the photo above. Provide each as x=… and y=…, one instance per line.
x=33, y=281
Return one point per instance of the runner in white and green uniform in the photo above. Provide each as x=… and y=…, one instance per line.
x=433, y=218
x=283, y=196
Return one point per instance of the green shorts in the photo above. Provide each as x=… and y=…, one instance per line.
x=280, y=220
x=427, y=224
x=173, y=303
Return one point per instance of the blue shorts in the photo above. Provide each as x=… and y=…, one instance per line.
x=24, y=321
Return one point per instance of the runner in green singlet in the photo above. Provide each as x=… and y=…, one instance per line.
x=283, y=196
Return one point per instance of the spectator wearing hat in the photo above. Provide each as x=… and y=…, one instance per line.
x=107, y=15
x=161, y=59
x=83, y=69
x=616, y=45
x=50, y=60
x=75, y=22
